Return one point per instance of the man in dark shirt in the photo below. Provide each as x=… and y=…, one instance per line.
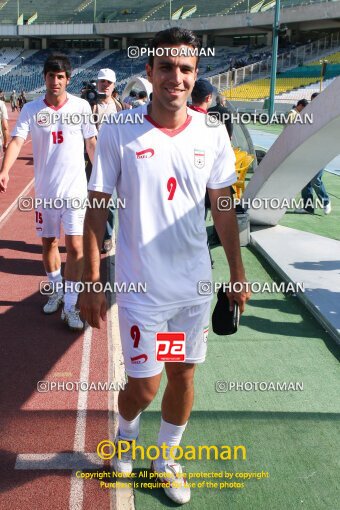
x=222, y=113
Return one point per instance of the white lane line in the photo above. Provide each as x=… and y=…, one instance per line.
x=78, y=459
x=51, y=461
x=14, y=204
x=79, y=439
x=77, y=484
x=121, y=499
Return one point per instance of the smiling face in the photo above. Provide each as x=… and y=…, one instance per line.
x=56, y=83
x=172, y=78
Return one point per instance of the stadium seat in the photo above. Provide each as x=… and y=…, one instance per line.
x=242, y=168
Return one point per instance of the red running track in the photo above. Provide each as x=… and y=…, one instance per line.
x=36, y=347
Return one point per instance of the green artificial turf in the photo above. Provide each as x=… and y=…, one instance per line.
x=319, y=223
x=275, y=129
x=291, y=435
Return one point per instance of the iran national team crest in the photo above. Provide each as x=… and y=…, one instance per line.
x=199, y=158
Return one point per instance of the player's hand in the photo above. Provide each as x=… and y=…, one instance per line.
x=93, y=307
x=239, y=291
x=4, y=178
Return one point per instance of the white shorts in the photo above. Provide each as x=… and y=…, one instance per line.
x=48, y=221
x=138, y=336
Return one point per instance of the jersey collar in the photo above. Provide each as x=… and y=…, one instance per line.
x=56, y=108
x=170, y=132
x=198, y=109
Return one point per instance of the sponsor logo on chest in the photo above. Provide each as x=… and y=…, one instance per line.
x=145, y=154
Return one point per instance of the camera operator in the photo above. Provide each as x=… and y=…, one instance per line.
x=102, y=102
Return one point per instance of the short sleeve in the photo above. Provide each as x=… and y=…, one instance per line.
x=23, y=124
x=223, y=168
x=3, y=108
x=107, y=160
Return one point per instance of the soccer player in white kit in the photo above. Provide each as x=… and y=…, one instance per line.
x=58, y=123
x=162, y=168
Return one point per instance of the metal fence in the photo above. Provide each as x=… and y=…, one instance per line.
x=297, y=56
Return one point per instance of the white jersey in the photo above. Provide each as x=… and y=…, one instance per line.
x=163, y=176
x=58, y=145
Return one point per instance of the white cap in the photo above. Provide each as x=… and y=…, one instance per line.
x=107, y=74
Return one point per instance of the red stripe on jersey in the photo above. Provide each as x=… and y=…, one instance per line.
x=197, y=109
x=55, y=108
x=170, y=132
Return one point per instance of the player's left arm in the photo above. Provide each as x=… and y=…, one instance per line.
x=90, y=144
x=226, y=225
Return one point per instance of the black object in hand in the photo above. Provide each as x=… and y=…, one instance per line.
x=224, y=321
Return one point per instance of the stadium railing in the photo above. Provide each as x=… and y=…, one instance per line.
x=286, y=60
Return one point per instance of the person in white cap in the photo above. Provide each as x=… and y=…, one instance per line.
x=106, y=84
x=109, y=105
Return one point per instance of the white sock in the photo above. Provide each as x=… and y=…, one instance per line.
x=171, y=435
x=128, y=429
x=70, y=296
x=56, y=279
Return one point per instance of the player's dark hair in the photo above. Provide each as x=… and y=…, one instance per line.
x=175, y=36
x=302, y=102
x=58, y=62
x=197, y=97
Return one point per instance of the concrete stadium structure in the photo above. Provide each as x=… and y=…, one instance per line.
x=302, y=21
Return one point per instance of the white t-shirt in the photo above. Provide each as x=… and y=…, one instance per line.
x=58, y=145
x=162, y=176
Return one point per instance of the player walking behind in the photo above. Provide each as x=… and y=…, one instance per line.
x=59, y=168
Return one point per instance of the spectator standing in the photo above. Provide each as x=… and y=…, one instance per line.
x=318, y=186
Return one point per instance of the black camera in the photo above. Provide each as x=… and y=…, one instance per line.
x=90, y=93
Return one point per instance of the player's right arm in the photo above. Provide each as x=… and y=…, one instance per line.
x=103, y=180
x=11, y=154
x=92, y=305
